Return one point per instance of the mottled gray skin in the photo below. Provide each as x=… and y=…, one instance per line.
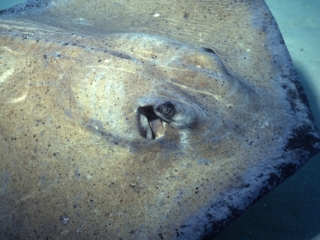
x=145, y=128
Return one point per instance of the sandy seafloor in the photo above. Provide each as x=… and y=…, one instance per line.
x=292, y=210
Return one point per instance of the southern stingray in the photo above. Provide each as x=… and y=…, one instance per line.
x=144, y=120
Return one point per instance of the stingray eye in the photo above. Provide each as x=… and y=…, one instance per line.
x=151, y=117
x=167, y=109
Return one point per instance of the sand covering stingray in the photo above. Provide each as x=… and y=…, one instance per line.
x=143, y=119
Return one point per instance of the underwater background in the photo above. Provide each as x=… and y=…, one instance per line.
x=292, y=210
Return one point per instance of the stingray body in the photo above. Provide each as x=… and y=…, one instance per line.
x=144, y=121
